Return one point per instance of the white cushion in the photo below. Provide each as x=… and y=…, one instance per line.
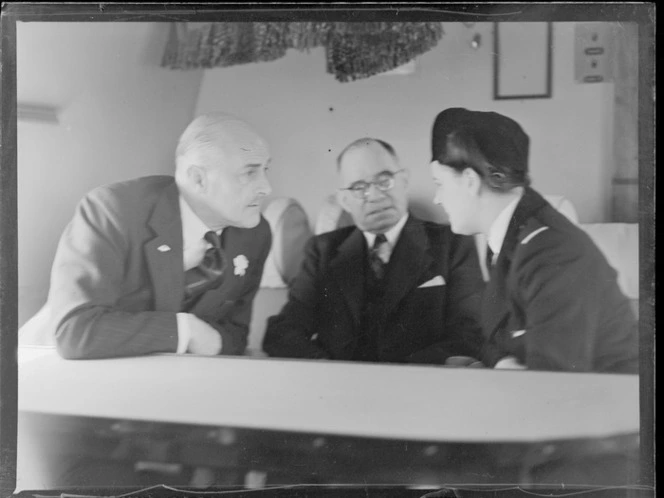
x=37, y=330
x=563, y=206
x=331, y=216
x=620, y=244
x=268, y=302
x=290, y=231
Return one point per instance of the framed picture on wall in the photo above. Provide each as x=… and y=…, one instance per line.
x=518, y=73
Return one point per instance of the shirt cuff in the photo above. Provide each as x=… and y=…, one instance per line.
x=509, y=363
x=184, y=332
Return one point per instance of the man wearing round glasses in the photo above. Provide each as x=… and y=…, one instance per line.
x=392, y=288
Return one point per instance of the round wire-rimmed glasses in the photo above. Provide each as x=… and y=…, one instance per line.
x=384, y=181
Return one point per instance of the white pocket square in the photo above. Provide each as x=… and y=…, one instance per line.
x=518, y=333
x=433, y=282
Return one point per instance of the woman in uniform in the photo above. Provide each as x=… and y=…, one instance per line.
x=553, y=301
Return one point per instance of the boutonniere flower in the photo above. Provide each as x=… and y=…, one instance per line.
x=241, y=264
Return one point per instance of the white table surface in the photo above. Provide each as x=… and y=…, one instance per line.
x=339, y=398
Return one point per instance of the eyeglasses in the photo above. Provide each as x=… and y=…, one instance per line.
x=384, y=181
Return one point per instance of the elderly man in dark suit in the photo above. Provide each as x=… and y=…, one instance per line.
x=392, y=288
x=553, y=301
x=163, y=264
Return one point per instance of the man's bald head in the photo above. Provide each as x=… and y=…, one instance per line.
x=371, y=145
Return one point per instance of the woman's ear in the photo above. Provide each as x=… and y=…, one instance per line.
x=472, y=181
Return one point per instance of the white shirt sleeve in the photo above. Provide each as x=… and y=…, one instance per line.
x=184, y=332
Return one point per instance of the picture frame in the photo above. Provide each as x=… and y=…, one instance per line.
x=515, y=77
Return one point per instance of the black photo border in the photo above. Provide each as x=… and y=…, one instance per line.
x=642, y=13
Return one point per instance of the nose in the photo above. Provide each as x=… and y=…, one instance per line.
x=437, y=199
x=264, y=188
x=374, y=193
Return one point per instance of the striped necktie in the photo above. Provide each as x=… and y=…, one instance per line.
x=207, y=274
x=378, y=256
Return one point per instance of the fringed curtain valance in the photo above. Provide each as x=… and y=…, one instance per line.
x=353, y=50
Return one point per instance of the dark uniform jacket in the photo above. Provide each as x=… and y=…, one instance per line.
x=553, y=300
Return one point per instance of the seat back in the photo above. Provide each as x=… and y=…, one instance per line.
x=38, y=330
x=290, y=232
x=331, y=216
x=620, y=244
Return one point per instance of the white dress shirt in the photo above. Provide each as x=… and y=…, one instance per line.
x=392, y=236
x=499, y=227
x=194, y=246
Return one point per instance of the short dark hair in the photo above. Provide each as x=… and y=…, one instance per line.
x=366, y=141
x=491, y=144
x=462, y=151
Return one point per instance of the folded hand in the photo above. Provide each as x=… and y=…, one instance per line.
x=204, y=338
x=509, y=363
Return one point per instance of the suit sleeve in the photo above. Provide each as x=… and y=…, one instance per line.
x=560, y=296
x=86, y=283
x=461, y=330
x=289, y=333
x=464, y=298
x=234, y=326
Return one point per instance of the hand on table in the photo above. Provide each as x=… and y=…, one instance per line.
x=509, y=363
x=204, y=339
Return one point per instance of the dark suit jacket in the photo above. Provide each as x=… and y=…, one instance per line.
x=118, y=281
x=322, y=317
x=551, y=281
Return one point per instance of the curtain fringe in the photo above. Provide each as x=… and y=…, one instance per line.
x=353, y=50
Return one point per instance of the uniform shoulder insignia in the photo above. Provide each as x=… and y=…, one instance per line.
x=533, y=234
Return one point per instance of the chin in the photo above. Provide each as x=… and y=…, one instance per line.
x=381, y=227
x=382, y=222
x=251, y=221
x=460, y=230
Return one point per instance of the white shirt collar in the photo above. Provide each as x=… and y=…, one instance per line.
x=499, y=227
x=193, y=228
x=392, y=235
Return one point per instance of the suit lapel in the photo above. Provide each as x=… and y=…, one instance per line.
x=495, y=308
x=495, y=302
x=409, y=260
x=348, y=268
x=164, y=252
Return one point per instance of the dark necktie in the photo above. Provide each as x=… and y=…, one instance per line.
x=366, y=349
x=489, y=259
x=207, y=274
x=377, y=264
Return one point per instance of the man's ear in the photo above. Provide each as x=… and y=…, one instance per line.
x=406, y=177
x=342, y=200
x=197, y=178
